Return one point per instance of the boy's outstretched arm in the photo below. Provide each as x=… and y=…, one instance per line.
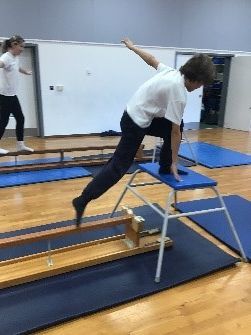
x=147, y=57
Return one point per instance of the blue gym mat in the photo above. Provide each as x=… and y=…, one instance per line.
x=216, y=223
x=34, y=161
x=41, y=176
x=213, y=156
x=37, y=305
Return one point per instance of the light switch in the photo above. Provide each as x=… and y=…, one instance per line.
x=60, y=88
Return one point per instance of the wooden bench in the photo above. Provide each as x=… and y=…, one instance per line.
x=62, y=162
x=53, y=262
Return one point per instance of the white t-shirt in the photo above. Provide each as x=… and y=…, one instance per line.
x=9, y=74
x=164, y=95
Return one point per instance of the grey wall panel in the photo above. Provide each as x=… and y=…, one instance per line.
x=149, y=22
x=48, y=19
x=204, y=24
x=216, y=24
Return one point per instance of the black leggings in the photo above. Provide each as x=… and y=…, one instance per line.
x=118, y=165
x=8, y=105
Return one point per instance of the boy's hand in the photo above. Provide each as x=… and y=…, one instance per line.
x=128, y=43
x=174, y=171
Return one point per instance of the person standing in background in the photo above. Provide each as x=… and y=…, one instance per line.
x=9, y=103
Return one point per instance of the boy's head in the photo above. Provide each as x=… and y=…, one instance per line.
x=198, y=70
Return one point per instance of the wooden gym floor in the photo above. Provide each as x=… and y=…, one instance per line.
x=217, y=304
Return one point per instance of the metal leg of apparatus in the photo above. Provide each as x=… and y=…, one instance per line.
x=155, y=150
x=231, y=224
x=124, y=192
x=49, y=260
x=175, y=199
x=163, y=235
x=61, y=156
x=190, y=147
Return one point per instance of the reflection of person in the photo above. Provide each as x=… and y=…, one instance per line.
x=9, y=103
x=155, y=109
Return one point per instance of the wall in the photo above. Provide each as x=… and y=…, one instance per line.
x=149, y=22
x=238, y=106
x=93, y=103
x=216, y=24
x=97, y=81
x=204, y=24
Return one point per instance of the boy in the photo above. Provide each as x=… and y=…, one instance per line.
x=155, y=109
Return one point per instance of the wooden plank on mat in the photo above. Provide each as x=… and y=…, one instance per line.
x=78, y=161
x=59, y=150
x=62, y=231
x=27, y=269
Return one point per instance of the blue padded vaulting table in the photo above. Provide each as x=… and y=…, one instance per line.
x=191, y=181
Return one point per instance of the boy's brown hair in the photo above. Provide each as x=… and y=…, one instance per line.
x=199, y=68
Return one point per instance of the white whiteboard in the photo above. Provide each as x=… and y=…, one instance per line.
x=97, y=81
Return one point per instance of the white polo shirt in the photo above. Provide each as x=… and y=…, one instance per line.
x=164, y=95
x=9, y=74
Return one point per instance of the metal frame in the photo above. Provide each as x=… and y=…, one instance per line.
x=167, y=216
x=190, y=147
x=159, y=141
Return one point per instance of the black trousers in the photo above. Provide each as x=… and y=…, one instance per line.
x=118, y=165
x=10, y=105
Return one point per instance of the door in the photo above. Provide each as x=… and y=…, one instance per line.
x=194, y=99
x=238, y=103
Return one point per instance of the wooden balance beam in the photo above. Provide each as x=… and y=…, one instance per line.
x=61, y=151
x=53, y=262
x=77, y=161
x=58, y=232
